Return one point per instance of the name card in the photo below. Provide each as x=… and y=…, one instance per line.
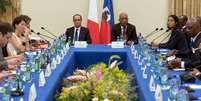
x=171, y=58
x=53, y=64
x=48, y=71
x=158, y=93
x=118, y=44
x=41, y=79
x=152, y=85
x=80, y=44
x=58, y=59
x=32, y=93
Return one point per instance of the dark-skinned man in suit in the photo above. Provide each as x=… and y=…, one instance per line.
x=125, y=30
x=193, y=28
x=77, y=32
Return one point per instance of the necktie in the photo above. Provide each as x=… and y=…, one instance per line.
x=124, y=30
x=76, y=35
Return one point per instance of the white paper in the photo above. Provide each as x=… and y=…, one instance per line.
x=118, y=44
x=170, y=58
x=152, y=85
x=158, y=93
x=179, y=69
x=32, y=93
x=41, y=79
x=48, y=71
x=80, y=44
x=193, y=86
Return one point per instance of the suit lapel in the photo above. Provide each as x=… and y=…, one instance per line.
x=198, y=40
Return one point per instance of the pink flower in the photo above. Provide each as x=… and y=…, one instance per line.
x=77, y=78
x=99, y=74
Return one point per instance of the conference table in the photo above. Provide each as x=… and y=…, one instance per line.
x=83, y=57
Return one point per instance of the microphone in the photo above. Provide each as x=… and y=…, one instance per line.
x=156, y=32
x=38, y=33
x=160, y=35
x=151, y=33
x=48, y=31
x=39, y=36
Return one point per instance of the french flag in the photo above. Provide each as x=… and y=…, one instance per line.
x=107, y=22
x=92, y=22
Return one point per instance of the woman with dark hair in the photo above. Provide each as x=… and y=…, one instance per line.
x=177, y=39
x=16, y=44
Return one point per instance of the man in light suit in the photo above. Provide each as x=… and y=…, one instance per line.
x=125, y=30
x=77, y=32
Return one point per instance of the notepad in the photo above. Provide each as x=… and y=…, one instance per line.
x=193, y=86
x=179, y=69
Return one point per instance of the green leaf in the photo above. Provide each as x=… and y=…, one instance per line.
x=113, y=57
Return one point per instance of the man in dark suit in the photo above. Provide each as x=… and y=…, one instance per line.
x=77, y=32
x=193, y=28
x=182, y=21
x=124, y=30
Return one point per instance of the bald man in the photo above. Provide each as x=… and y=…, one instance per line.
x=193, y=28
x=124, y=30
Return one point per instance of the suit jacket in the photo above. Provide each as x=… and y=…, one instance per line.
x=194, y=59
x=130, y=32
x=3, y=63
x=177, y=41
x=83, y=36
x=4, y=51
x=189, y=50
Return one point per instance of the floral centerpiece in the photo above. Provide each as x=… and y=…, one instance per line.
x=100, y=82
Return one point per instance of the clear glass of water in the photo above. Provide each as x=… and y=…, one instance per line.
x=182, y=95
x=164, y=78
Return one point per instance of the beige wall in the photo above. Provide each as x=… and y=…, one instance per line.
x=56, y=15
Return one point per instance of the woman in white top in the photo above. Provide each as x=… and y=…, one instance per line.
x=16, y=45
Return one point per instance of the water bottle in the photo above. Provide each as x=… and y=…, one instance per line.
x=174, y=88
x=118, y=38
x=70, y=43
x=19, y=83
x=37, y=64
x=27, y=73
x=163, y=78
x=6, y=92
x=121, y=38
x=48, y=56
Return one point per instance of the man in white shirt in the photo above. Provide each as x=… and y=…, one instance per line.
x=77, y=32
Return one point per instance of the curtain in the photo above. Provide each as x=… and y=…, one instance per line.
x=190, y=8
x=11, y=11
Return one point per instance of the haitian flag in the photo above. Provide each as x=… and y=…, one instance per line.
x=107, y=22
